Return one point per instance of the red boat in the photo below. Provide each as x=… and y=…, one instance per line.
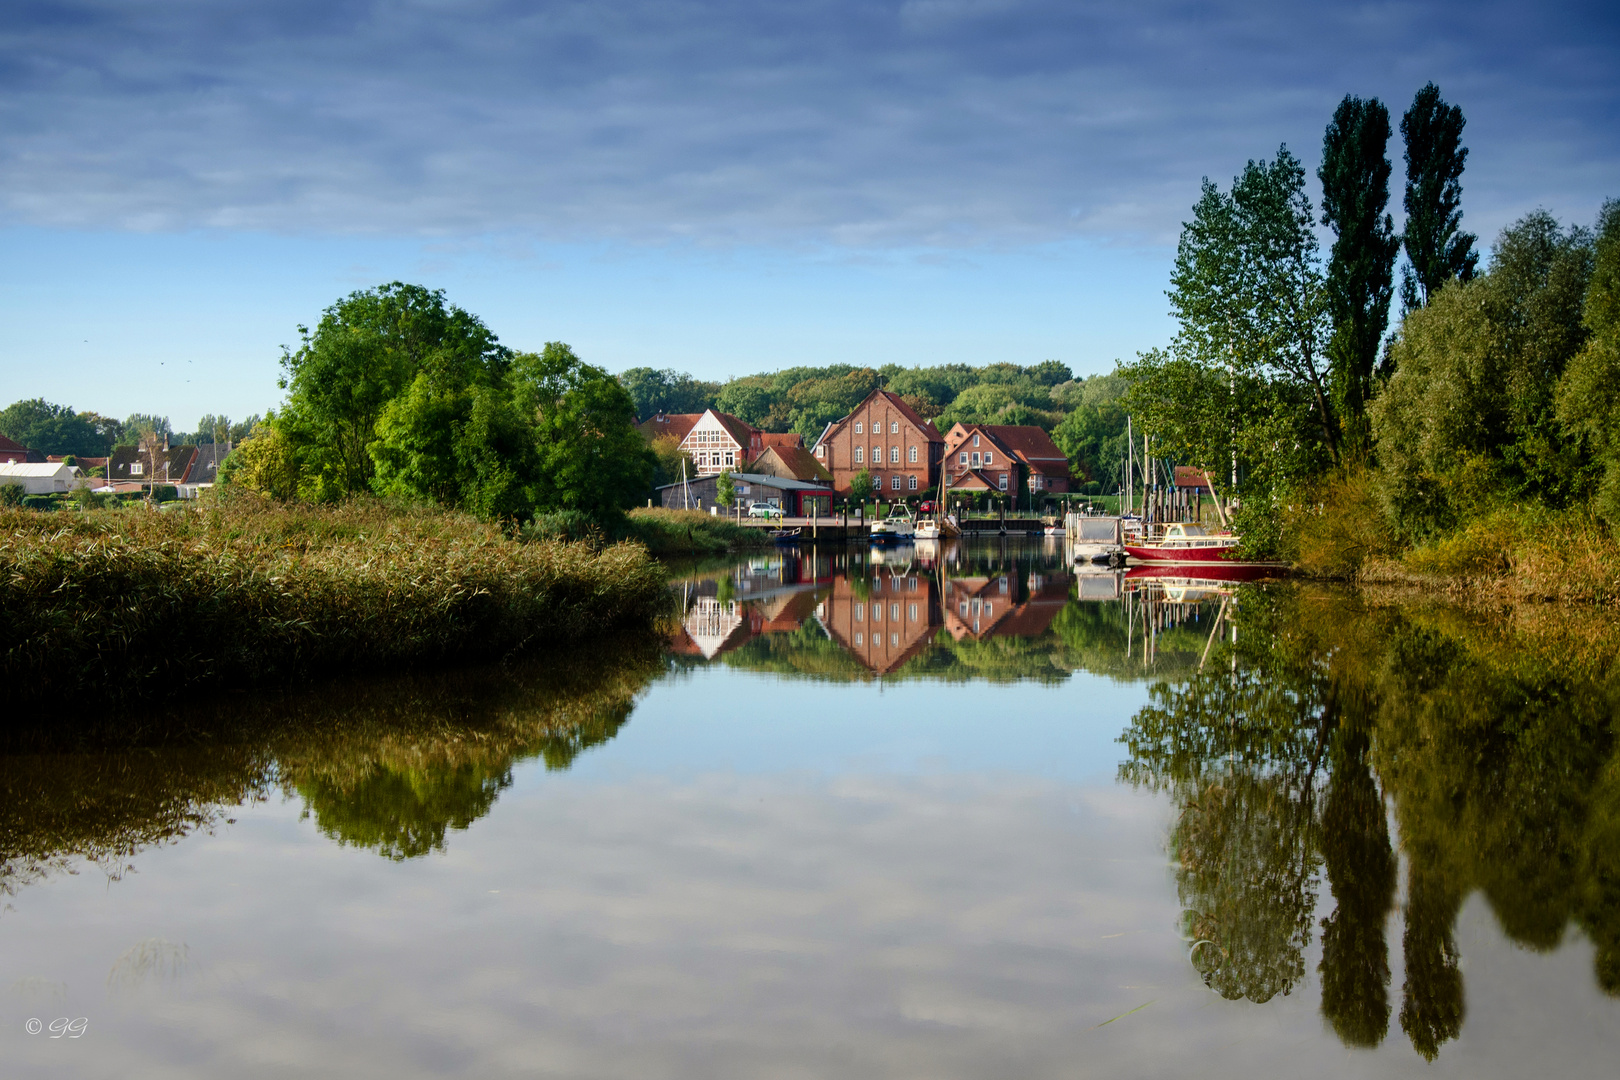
x=1184, y=543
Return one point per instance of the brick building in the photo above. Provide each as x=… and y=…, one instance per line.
x=997, y=452
x=888, y=438
x=717, y=440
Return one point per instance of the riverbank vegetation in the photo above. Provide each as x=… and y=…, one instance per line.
x=1477, y=444
x=121, y=604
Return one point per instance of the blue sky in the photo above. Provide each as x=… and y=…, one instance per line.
x=720, y=187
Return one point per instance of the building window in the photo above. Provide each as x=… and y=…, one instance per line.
x=894, y=612
x=860, y=612
x=860, y=428
x=1003, y=481
x=911, y=612
x=914, y=455
x=821, y=451
x=975, y=440
x=877, y=612
x=731, y=459
x=859, y=639
x=988, y=458
x=894, y=455
x=137, y=469
x=894, y=427
x=894, y=639
x=860, y=453
x=975, y=460
x=895, y=483
x=962, y=458
x=911, y=482
x=989, y=609
x=877, y=454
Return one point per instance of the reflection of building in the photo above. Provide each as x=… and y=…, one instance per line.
x=883, y=624
x=762, y=604
x=986, y=606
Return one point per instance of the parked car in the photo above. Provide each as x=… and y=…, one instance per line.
x=926, y=507
x=764, y=510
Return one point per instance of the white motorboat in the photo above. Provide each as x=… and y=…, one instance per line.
x=894, y=529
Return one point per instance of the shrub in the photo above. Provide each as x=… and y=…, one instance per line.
x=109, y=604
x=12, y=494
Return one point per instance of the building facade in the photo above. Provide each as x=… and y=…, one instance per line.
x=715, y=440
x=886, y=437
x=1000, y=453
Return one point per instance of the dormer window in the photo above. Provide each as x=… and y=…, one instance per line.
x=137, y=469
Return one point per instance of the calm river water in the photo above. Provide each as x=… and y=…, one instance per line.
x=939, y=814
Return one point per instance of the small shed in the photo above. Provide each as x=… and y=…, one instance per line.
x=797, y=498
x=41, y=478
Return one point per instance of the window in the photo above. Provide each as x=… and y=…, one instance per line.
x=975, y=440
x=894, y=639
x=914, y=455
x=137, y=469
x=961, y=458
x=860, y=428
x=1003, y=481
x=877, y=454
x=894, y=427
x=858, y=639
x=895, y=483
x=894, y=455
x=911, y=612
x=987, y=458
x=989, y=609
x=821, y=451
x=911, y=482
x=731, y=458
x=860, y=453
x=860, y=612
x=894, y=612
x=877, y=612
x=976, y=460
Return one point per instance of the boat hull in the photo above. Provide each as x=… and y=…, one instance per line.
x=1150, y=553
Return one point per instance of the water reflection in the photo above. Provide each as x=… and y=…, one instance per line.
x=1006, y=610
x=391, y=764
x=1314, y=717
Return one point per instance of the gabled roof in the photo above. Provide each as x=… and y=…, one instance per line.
x=208, y=454
x=973, y=480
x=1030, y=443
x=79, y=460
x=789, y=439
x=11, y=450
x=740, y=429
x=795, y=461
x=178, y=458
x=676, y=424
x=930, y=432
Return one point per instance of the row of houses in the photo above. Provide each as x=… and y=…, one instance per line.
x=128, y=469
x=905, y=454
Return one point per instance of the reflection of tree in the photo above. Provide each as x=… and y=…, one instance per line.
x=1361, y=872
x=1432, y=999
x=391, y=763
x=1238, y=747
x=1494, y=741
x=403, y=814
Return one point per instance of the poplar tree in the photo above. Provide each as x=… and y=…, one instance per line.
x=1360, y=278
x=1436, y=247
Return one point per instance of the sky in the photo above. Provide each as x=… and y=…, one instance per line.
x=717, y=187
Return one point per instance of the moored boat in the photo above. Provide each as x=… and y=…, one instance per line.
x=1183, y=543
x=893, y=530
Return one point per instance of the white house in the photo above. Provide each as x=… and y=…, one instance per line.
x=40, y=479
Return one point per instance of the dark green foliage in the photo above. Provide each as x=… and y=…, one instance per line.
x=1470, y=415
x=666, y=391
x=56, y=429
x=1436, y=247
x=1355, y=190
x=12, y=493
x=1589, y=394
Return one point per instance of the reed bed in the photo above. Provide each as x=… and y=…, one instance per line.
x=125, y=604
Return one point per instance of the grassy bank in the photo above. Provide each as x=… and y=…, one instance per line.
x=118, y=605
x=692, y=532
x=1505, y=552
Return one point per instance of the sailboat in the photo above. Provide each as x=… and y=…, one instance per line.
x=937, y=527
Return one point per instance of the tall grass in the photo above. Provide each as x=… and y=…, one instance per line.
x=112, y=605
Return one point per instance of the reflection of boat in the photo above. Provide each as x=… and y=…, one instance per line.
x=1183, y=543
x=1051, y=527
x=1222, y=573
x=893, y=529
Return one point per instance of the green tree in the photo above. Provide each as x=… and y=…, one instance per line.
x=667, y=391
x=1436, y=247
x=1470, y=413
x=53, y=429
x=1093, y=433
x=264, y=462
x=860, y=487
x=1589, y=392
x=366, y=351
x=1355, y=190
x=725, y=491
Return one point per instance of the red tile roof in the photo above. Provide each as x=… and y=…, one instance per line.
x=676, y=424
x=782, y=438
x=1189, y=477
x=740, y=429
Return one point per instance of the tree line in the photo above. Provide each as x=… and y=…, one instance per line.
x=1495, y=385
x=58, y=430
